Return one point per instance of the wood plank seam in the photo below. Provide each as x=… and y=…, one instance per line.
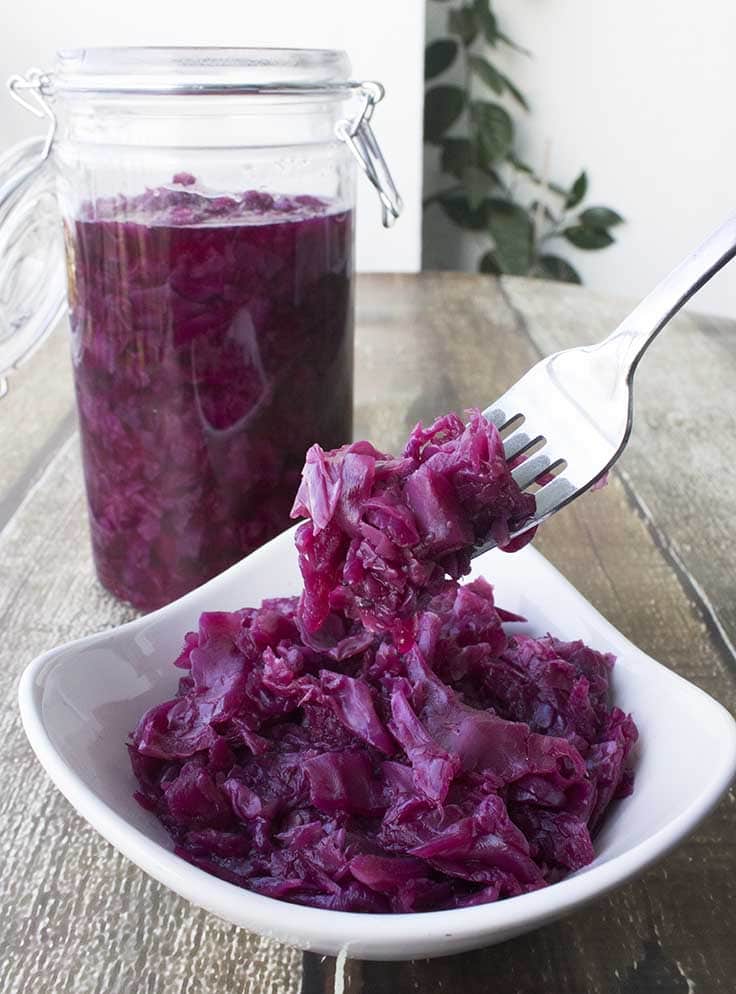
x=689, y=583
x=18, y=490
x=38, y=482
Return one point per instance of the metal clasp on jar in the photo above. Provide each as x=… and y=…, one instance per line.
x=358, y=135
x=29, y=92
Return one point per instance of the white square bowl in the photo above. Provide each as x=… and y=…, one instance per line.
x=79, y=702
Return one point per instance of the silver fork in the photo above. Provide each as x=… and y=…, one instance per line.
x=577, y=405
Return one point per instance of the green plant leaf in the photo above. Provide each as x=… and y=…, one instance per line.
x=512, y=44
x=516, y=94
x=459, y=211
x=513, y=235
x=488, y=73
x=558, y=269
x=477, y=184
x=577, y=190
x=462, y=22
x=495, y=129
x=438, y=56
x=494, y=79
x=457, y=155
x=600, y=217
x=443, y=105
x=523, y=167
x=490, y=264
x=587, y=238
x=486, y=20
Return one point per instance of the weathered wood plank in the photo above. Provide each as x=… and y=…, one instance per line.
x=77, y=918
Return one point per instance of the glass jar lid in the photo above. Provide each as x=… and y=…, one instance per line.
x=202, y=71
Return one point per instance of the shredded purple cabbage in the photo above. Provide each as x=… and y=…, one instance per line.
x=212, y=343
x=383, y=532
x=383, y=744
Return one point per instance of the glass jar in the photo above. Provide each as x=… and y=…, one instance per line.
x=207, y=204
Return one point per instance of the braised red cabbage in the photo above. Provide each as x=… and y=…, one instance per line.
x=382, y=532
x=383, y=743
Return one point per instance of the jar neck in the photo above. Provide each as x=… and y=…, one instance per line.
x=195, y=121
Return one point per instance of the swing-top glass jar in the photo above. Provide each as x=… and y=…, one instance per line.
x=207, y=200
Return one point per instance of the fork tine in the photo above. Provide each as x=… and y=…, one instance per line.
x=517, y=441
x=530, y=469
x=497, y=417
x=551, y=495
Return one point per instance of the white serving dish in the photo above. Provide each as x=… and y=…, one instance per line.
x=79, y=701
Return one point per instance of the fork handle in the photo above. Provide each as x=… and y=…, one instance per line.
x=637, y=331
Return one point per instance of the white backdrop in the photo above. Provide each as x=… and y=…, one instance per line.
x=641, y=93
x=385, y=40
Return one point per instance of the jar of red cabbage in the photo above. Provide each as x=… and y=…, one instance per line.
x=207, y=203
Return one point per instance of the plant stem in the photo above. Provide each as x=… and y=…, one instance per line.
x=555, y=232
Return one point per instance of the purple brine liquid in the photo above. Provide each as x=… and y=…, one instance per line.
x=212, y=345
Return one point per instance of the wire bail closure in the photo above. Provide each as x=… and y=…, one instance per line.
x=358, y=135
x=28, y=91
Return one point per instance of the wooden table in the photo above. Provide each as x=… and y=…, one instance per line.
x=654, y=551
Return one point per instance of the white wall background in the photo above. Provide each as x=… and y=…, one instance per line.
x=641, y=93
x=30, y=36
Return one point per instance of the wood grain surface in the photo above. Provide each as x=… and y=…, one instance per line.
x=654, y=552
